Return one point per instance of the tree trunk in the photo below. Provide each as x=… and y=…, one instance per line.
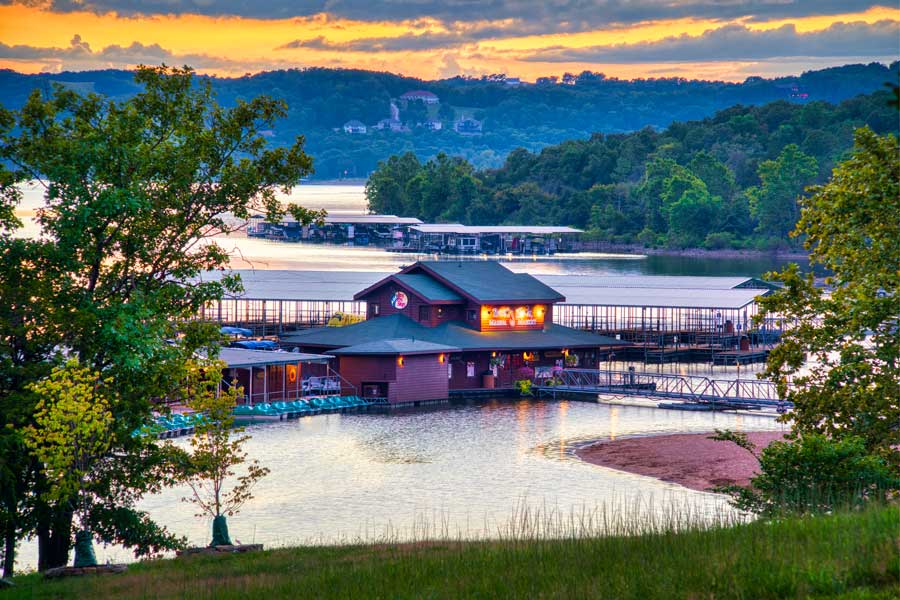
x=54, y=539
x=9, y=550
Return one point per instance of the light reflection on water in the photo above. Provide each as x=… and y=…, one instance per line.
x=342, y=476
x=464, y=467
x=350, y=199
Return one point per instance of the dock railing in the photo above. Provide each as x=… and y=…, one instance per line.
x=690, y=388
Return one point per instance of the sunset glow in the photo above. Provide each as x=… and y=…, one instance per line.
x=35, y=39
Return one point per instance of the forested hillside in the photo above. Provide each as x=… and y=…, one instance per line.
x=320, y=101
x=728, y=181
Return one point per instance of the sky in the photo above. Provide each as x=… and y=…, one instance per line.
x=705, y=39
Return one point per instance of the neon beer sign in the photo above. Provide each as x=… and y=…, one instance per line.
x=509, y=317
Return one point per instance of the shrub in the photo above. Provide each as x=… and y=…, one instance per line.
x=647, y=238
x=811, y=475
x=524, y=387
x=719, y=240
x=525, y=373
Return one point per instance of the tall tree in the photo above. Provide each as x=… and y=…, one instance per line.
x=851, y=384
x=134, y=193
x=774, y=204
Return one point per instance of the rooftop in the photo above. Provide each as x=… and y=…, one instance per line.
x=418, y=93
x=372, y=219
x=428, y=287
x=487, y=281
x=477, y=230
x=241, y=358
x=453, y=334
x=625, y=290
x=394, y=347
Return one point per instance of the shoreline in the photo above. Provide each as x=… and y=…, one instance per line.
x=688, y=459
x=691, y=252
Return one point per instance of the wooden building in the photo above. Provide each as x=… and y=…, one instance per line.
x=477, y=325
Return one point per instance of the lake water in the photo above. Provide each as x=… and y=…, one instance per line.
x=453, y=470
x=350, y=199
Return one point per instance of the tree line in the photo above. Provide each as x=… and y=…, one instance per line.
x=728, y=181
x=528, y=116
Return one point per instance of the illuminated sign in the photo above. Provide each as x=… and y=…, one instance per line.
x=512, y=317
x=399, y=300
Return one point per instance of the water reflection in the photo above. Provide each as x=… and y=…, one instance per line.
x=340, y=477
x=350, y=199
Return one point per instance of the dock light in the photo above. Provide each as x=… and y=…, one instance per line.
x=441, y=358
x=399, y=361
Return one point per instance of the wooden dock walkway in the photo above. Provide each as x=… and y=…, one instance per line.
x=753, y=394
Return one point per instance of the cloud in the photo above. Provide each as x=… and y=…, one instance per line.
x=737, y=42
x=558, y=15
x=402, y=43
x=79, y=55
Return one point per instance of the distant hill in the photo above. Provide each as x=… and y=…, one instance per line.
x=509, y=116
x=729, y=181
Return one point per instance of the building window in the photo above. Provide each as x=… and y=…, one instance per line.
x=375, y=308
x=471, y=315
x=424, y=312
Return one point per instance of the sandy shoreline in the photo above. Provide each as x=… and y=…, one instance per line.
x=691, y=460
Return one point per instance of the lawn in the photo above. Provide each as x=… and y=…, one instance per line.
x=848, y=555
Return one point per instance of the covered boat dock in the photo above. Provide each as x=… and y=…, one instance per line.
x=496, y=239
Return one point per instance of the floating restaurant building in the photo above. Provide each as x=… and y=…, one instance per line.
x=650, y=309
x=439, y=327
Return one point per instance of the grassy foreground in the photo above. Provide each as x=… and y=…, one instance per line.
x=849, y=556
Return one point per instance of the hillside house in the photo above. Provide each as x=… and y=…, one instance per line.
x=467, y=127
x=424, y=96
x=355, y=127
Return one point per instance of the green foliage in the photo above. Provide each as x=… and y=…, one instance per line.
x=414, y=112
x=812, y=475
x=216, y=445
x=774, y=204
x=524, y=387
x=839, y=357
x=72, y=429
x=133, y=192
x=530, y=117
x=736, y=173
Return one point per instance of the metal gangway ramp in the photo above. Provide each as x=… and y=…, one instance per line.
x=734, y=393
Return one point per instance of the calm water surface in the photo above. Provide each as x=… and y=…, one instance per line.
x=459, y=469
x=350, y=199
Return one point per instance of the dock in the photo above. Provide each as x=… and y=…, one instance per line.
x=736, y=394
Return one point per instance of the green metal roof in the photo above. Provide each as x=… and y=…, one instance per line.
x=488, y=281
x=396, y=326
x=428, y=287
x=394, y=347
x=454, y=333
x=242, y=358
